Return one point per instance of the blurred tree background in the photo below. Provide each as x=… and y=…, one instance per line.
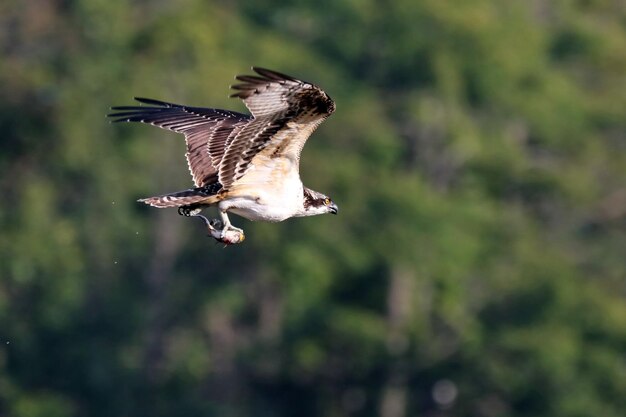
x=477, y=267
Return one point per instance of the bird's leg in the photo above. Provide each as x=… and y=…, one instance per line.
x=220, y=230
x=227, y=226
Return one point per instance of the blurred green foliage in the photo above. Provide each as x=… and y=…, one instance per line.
x=477, y=267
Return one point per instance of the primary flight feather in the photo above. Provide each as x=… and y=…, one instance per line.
x=244, y=164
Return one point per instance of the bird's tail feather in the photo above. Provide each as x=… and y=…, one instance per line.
x=181, y=198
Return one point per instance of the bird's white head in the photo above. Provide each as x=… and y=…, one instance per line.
x=315, y=203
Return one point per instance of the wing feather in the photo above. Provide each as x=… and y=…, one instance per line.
x=206, y=131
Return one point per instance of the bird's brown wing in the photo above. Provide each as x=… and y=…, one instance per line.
x=208, y=132
x=285, y=112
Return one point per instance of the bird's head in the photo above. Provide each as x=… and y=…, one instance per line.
x=317, y=203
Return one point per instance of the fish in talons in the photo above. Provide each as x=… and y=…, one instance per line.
x=216, y=231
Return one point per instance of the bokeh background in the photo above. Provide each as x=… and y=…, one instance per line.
x=477, y=266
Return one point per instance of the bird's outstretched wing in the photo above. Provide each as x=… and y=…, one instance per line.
x=285, y=112
x=221, y=144
x=207, y=131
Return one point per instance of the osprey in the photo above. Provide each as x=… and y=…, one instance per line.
x=244, y=164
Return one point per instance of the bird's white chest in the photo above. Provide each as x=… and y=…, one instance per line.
x=270, y=191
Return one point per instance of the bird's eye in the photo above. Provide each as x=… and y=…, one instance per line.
x=327, y=202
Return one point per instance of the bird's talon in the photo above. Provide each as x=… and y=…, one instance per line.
x=188, y=212
x=216, y=223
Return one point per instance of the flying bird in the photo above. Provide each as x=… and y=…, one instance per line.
x=244, y=164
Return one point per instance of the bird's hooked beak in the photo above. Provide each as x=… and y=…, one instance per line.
x=333, y=208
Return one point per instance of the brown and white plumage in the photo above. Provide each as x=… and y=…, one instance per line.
x=248, y=165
